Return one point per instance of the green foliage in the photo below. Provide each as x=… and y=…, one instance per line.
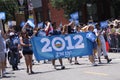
x=10, y=7
x=69, y=6
x=116, y=6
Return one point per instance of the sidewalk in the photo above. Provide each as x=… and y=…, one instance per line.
x=47, y=71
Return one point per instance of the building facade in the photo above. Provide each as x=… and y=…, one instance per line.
x=99, y=10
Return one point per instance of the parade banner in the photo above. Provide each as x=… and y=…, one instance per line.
x=61, y=46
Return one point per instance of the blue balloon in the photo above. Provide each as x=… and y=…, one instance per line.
x=91, y=36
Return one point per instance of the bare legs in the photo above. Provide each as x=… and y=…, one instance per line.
x=61, y=63
x=28, y=61
x=2, y=68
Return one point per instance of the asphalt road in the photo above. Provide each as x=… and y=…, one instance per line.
x=84, y=71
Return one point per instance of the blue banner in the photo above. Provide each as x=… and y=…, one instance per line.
x=61, y=46
x=31, y=23
x=22, y=23
x=104, y=24
x=74, y=16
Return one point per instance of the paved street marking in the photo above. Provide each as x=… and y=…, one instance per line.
x=96, y=73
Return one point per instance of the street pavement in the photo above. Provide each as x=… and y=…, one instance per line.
x=84, y=71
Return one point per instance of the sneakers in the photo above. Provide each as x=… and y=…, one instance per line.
x=59, y=67
x=108, y=61
x=76, y=63
x=32, y=72
x=62, y=67
x=3, y=75
x=94, y=64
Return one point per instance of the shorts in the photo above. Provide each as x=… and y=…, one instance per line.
x=30, y=52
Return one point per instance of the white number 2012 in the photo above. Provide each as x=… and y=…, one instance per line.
x=48, y=48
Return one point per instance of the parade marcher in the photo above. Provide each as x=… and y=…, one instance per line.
x=39, y=32
x=27, y=28
x=72, y=30
x=94, y=46
x=101, y=48
x=2, y=55
x=57, y=32
x=13, y=54
x=48, y=28
x=27, y=51
x=6, y=51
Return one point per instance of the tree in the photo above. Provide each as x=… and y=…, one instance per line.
x=10, y=7
x=69, y=6
x=116, y=6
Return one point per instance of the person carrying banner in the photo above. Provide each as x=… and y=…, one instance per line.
x=28, y=28
x=94, y=46
x=39, y=32
x=72, y=30
x=57, y=32
x=48, y=28
x=101, y=48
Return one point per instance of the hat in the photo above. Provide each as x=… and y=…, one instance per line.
x=11, y=33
